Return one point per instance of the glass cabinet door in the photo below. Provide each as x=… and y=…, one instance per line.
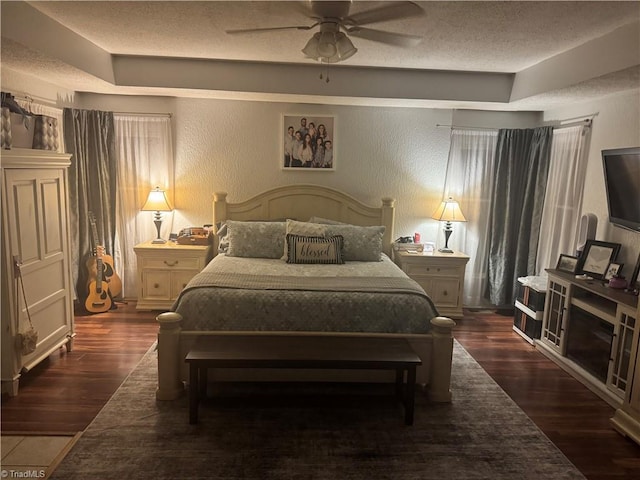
x=554, y=313
x=621, y=351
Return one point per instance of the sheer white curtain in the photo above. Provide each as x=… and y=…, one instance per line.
x=469, y=180
x=145, y=160
x=563, y=197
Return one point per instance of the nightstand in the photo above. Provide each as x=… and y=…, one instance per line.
x=440, y=274
x=164, y=270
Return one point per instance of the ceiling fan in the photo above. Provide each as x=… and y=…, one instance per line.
x=332, y=44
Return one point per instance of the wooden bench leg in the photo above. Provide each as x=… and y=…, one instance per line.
x=203, y=381
x=400, y=384
x=409, y=400
x=193, y=393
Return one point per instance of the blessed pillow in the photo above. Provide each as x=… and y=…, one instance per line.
x=255, y=239
x=302, y=228
x=361, y=244
x=304, y=249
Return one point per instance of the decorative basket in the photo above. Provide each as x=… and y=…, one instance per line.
x=45, y=135
x=5, y=134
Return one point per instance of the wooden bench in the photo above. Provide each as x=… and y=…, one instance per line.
x=311, y=352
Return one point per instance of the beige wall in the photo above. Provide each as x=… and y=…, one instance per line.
x=616, y=125
x=234, y=146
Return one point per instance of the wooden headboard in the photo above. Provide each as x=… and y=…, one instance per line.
x=301, y=202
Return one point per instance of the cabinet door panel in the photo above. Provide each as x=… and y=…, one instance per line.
x=52, y=212
x=179, y=280
x=445, y=291
x=22, y=202
x=426, y=283
x=156, y=285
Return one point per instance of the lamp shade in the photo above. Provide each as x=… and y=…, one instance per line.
x=449, y=211
x=157, y=201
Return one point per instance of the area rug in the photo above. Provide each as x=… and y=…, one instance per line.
x=302, y=431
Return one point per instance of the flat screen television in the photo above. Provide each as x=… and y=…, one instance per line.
x=622, y=182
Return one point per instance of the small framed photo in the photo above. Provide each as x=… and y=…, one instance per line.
x=567, y=263
x=308, y=143
x=613, y=270
x=596, y=258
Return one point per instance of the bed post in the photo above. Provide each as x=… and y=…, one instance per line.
x=441, y=357
x=388, y=218
x=219, y=216
x=170, y=386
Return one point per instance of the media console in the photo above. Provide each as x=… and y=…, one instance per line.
x=592, y=332
x=590, y=329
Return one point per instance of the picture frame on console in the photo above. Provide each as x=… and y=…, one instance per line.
x=567, y=263
x=634, y=280
x=612, y=270
x=596, y=257
x=308, y=143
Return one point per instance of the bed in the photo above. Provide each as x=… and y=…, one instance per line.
x=304, y=260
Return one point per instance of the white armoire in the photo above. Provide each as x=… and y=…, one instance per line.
x=35, y=235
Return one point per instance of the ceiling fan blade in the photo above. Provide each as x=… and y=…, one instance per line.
x=270, y=29
x=383, y=14
x=390, y=38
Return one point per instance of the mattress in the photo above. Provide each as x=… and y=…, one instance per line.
x=258, y=294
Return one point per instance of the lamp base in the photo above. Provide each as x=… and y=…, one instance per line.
x=158, y=223
x=445, y=250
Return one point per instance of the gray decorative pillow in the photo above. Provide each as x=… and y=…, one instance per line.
x=223, y=237
x=361, y=244
x=302, y=228
x=255, y=239
x=307, y=250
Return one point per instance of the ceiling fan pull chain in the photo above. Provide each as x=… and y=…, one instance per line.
x=326, y=74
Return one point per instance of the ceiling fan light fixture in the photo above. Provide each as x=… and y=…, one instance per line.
x=327, y=44
x=344, y=47
x=339, y=47
x=311, y=48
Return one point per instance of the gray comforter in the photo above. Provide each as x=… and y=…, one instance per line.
x=255, y=294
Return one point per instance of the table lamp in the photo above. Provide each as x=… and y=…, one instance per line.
x=157, y=202
x=448, y=211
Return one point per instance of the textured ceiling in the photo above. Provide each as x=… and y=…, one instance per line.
x=503, y=37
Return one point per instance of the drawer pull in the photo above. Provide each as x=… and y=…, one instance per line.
x=171, y=264
x=156, y=285
x=445, y=293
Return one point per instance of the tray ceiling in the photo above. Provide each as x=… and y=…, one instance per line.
x=495, y=55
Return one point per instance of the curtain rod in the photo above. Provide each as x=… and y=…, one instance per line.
x=586, y=122
x=144, y=114
x=462, y=127
x=567, y=123
x=581, y=118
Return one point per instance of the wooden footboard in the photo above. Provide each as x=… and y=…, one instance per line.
x=435, y=350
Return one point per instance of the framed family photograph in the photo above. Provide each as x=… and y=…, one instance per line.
x=308, y=142
x=612, y=270
x=597, y=256
x=567, y=263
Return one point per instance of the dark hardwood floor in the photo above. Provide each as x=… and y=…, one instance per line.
x=65, y=392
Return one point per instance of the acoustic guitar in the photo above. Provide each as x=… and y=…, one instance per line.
x=98, y=300
x=109, y=274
